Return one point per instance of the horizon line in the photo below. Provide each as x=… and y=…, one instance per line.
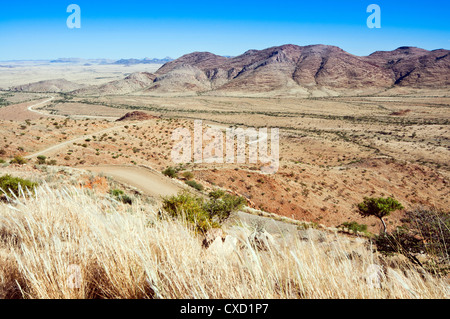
x=227, y=56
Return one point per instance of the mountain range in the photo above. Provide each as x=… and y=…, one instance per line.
x=143, y=61
x=290, y=69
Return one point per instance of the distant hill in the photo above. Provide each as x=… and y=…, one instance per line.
x=49, y=86
x=82, y=61
x=415, y=67
x=309, y=67
x=143, y=61
x=132, y=83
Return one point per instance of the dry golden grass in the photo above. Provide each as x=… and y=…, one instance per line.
x=124, y=251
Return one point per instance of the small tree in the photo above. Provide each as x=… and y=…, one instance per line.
x=378, y=207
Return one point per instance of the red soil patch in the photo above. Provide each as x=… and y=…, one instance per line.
x=99, y=184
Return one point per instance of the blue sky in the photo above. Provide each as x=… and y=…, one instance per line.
x=112, y=29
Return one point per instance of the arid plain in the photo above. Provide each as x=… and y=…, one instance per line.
x=334, y=150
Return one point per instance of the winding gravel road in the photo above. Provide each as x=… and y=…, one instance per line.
x=150, y=182
x=30, y=108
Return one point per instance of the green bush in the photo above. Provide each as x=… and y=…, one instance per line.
x=116, y=192
x=171, y=172
x=195, y=185
x=203, y=214
x=216, y=194
x=18, y=160
x=121, y=196
x=222, y=204
x=3, y=102
x=41, y=159
x=190, y=209
x=355, y=227
x=10, y=185
x=188, y=175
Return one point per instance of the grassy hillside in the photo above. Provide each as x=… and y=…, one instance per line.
x=73, y=243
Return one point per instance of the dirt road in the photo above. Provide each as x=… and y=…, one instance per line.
x=30, y=108
x=156, y=185
x=150, y=182
x=56, y=147
x=23, y=111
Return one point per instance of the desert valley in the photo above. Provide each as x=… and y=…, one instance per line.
x=350, y=127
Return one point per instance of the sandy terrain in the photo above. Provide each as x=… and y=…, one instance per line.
x=54, y=148
x=94, y=74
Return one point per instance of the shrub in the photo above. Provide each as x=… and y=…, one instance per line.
x=425, y=231
x=402, y=242
x=116, y=192
x=399, y=241
x=51, y=162
x=18, y=160
x=190, y=209
x=121, y=196
x=203, y=214
x=171, y=172
x=10, y=185
x=216, y=194
x=355, y=227
x=222, y=204
x=195, y=185
x=433, y=228
x=188, y=175
x=41, y=159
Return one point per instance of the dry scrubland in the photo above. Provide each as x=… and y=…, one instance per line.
x=125, y=251
x=334, y=151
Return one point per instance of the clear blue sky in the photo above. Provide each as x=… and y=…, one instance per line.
x=125, y=29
